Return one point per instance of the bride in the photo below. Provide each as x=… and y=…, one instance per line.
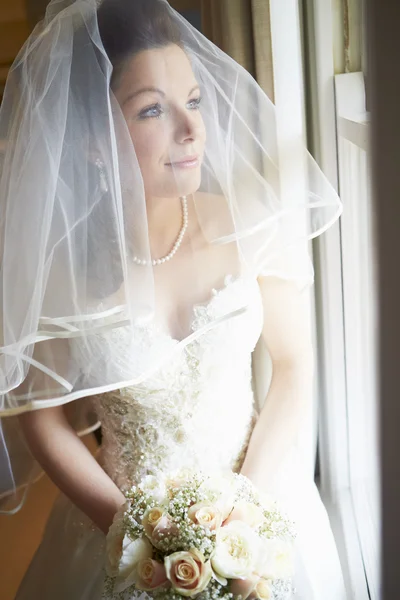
x=150, y=243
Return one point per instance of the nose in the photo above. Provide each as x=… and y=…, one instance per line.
x=185, y=128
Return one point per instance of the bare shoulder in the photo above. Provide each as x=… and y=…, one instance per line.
x=286, y=329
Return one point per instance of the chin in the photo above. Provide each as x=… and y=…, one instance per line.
x=186, y=185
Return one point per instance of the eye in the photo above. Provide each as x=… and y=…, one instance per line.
x=195, y=103
x=152, y=112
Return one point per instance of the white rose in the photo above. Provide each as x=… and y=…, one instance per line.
x=221, y=492
x=114, y=552
x=277, y=559
x=155, y=486
x=180, y=478
x=247, y=512
x=237, y=551
x=114, y=541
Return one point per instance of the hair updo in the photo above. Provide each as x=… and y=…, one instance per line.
x=127, y=27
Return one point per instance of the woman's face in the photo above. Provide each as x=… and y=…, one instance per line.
x=160, y=100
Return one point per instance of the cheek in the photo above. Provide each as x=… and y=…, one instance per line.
x=201, y=131
x=150, y=143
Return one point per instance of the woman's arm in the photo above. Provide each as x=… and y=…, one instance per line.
x=287, y=334
x=71, y=466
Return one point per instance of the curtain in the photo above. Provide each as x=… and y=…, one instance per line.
x=241, y=28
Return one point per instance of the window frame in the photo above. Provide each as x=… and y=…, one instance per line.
x=360, y=309
x=320, y=22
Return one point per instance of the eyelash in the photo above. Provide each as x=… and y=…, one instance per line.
x=144, y=114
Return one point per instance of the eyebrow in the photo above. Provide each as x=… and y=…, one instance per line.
x=156, y=90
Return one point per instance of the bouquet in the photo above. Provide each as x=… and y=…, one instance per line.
x=198, y=536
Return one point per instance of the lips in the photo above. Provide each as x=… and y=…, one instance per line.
x=185, y=162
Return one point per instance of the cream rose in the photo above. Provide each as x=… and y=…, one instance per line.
x=263, y=590
x=277, y=560
x=247, y=512
x=133, y=551
x=151, y=518
x=188, y=573
x=150, y=575
x=206, y=515
x=237, y=550
x=251, y=588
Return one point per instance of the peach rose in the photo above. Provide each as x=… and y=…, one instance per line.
x=247, y=512
x=158, y=524
x=150, y=575
x=206, y=515
x=244, y=587
x=188, y=572
x=164, y=528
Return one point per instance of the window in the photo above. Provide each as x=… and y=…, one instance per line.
x=346, y=294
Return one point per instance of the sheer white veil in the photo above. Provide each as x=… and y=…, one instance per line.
x=92, y=240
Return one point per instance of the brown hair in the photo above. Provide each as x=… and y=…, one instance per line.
x=127, y=27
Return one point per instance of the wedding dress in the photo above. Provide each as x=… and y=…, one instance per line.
x=197, y=410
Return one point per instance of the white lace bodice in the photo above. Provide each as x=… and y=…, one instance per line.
x=198, y=409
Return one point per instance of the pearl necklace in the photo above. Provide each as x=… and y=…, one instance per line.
x=178, y=242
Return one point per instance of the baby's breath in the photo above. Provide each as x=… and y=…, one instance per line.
x=282, y=589
x=245, y=490
x=186, y=534
x=277, y=526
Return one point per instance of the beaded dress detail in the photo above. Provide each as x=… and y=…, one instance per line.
x=195, y=411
